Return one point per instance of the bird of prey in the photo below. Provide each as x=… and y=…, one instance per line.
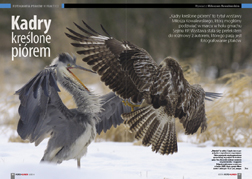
x=42, y=112
x=131, y=73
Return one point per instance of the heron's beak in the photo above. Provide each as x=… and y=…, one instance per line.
x=82, y=68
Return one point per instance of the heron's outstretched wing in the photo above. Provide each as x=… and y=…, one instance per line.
x=127, y=69
x=112, y=108
x=42, y=112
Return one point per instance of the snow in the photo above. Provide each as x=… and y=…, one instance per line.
x=109, y=160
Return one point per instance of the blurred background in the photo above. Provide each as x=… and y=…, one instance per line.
x=218, y=67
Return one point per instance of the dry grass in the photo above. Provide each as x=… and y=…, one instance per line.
x=229, y=118
x=118, y=134
x=9, y=114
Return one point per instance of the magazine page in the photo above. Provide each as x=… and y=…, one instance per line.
x=125, y=90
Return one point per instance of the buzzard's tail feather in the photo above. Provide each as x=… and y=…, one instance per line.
x=145, y=126
x=150, y=137
x=134, y=121
x=154, y=127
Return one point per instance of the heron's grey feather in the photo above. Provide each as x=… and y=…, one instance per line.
x=43, y=113
x=210, y=96
x=112, y=108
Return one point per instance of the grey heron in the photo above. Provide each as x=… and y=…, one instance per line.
x=42, y=112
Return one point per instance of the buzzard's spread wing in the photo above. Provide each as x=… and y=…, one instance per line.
x=127, y=69
x=184, y=101
x=140, y=66
x=191, y=112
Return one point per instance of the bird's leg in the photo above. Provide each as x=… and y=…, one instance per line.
x=78, y=162
x=126, y=102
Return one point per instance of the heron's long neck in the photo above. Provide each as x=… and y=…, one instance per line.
x=84, y=99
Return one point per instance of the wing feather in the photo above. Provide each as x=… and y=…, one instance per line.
x=111, y=114
x=127, y=69
x=140, y=66
x=182, y=100
x=132, y=74
x=193, y=110
x=42, y=113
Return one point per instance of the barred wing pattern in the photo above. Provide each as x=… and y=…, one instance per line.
x=102, y=54
x=154, y=127
x=172, y=96
x=132, y=73
x=192, y=111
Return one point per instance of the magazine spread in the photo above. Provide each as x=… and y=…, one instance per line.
x=125, y=90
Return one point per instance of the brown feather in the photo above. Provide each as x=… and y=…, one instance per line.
x=132, y=74
x=149, y=134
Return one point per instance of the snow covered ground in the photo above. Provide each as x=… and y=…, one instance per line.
x=111, y=160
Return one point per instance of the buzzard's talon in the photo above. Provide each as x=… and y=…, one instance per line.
x=127, y=103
